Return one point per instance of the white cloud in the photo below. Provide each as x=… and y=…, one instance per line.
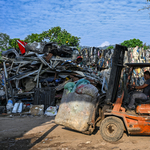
x=106, y=43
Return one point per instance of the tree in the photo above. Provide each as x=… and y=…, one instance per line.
x=4, y=41
x=13, y=43
x=132, y=43
x=34, y=37
x=55, y=34
x=110, y=47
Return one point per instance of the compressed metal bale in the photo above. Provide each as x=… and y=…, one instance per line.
x=75, y=111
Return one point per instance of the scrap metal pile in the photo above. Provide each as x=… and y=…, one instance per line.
x=39, y=75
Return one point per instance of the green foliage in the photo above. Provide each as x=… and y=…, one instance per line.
x=33, y=37
x=132, y=43
x=4, y=40
x=13, y=43
x=110, y=47
x=55, y=34
x=78, y=47
x=146, y=47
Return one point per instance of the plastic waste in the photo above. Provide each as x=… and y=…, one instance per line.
x=3, y=82
x=51, y=111
x=36, y=109
x=15, y=108
x=2, y=93
x=20, y=91
x=9, y=106
x=81, y=81
x=20, y=108
x=88, y=89
x=75, y=111
x=104, y=84
x=69, y=86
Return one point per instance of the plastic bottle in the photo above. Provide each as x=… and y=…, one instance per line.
x=9, y=106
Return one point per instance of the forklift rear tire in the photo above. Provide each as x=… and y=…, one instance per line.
x=111, y=129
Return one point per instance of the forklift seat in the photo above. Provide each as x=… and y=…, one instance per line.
x=139, y=101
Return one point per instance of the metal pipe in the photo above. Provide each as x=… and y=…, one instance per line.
x=5, y=78
x=37, y=81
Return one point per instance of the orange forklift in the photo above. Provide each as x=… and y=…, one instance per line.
x=115, y=117
x=110, y=109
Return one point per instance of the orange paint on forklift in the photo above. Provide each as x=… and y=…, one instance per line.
x=143, y=109
x=134, y=124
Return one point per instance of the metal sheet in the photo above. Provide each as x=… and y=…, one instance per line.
x=22, y=61
x=26, y=75
x=38, y=75
x=43, y=61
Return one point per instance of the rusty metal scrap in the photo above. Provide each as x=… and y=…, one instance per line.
x=53, y=67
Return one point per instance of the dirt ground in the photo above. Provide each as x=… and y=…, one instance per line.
x=41, y=133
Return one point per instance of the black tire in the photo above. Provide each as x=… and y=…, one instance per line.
x=111, y=129
x=11, y=55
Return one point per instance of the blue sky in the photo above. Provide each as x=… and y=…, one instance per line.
x=95, y=21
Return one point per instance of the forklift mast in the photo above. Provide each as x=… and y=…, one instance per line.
x=117, y=65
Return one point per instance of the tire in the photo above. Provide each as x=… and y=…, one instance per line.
x=11, y=55
x=111, y=129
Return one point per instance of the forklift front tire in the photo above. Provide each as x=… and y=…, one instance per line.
x=111, y=129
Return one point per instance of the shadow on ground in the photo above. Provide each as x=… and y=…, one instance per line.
x=23, y=144
x=13, y=129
